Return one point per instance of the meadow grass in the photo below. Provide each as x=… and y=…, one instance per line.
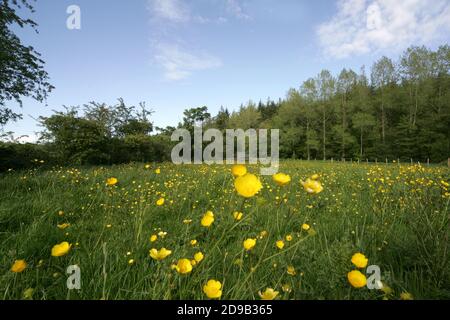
x=397, y=216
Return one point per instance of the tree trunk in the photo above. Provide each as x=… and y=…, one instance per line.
x=324, y=135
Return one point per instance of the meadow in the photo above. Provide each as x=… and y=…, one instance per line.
x=289, y=241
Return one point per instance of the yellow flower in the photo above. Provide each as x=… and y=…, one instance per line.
x=269, y=294
x=281, y=179
x=213, y=289
x=160, y=202
x=315, y=177
x=131, y=262
x=247, y=185
x=28, y=294
x=280, y=244
x=111, y=181
x=153, y=238
x=291, y=271
x=359, y=260
x=147, y=166
x=19, y=266
x=60, y=213
x=312, y=186
x=184, y=266
x=238, y=215
x=249, y=244
x=187, y=221
x=158, y=171
x=263, y=234
x=207, y=219
x=406, y=296
x=238, y=170
x=289, y=238
x=198, y=257
x=63, y=226
x=194, y=242
x=61, y=249
x=357, y=279
x=160, y=254
x=306, y=227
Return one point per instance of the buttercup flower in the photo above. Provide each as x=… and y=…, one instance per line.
x=207, y=219
x=63, y=226
x=19, y=266
x=291, y=271
x=160, y=202
x=198, y=257
x=312, y=186
x=281, y=179
x=306, y=227
x=238, y=215
x=357, y=279
x=153, y=238
x=315, y=177
x=280, y=244
x=61, y=249
x=184, y=266
x=406, y=296
x=238, y=170
x=158, y=171
x=247, y=185
x=249, y=244
x=111, y=181
x=289, y=238
x=160, y=254
x=359, y=260
x=213, y=289
x=269, y=294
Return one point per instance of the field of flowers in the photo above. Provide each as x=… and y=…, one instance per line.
x=208, y=232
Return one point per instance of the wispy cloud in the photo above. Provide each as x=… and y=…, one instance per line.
x=362, y=26
x=234, y=7
x=179, y=63
x=173, y=10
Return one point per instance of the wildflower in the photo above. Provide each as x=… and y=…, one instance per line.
x=187, y=221
x=312, y=186
x=286, y=288
x=111, y=181
x=19, y=266
x=406, y=296
x=281, y=179
x=153, y=238
x=158, y=171
x=280, y=244
x=198, y=257
x=306, y=227
x=249, y=244
x=289, y=238
x=207, y=219
x=291, y=271
x=162, y=234
x=238, y=215
x=63, y=226
x=194, y=242
x=247, y=185
x=147, y=166
x=263, y=234
x=213, y=289
x=269, y=294
x=160, y=254
x=357, y=279
x=359, y=260
x=131, y=262
x=160, y=202
x=61, y=249
x=28, y=294
x=60, y=213
x=184, y=266
x=315, y=177
x=109, y=226
x=238, y=170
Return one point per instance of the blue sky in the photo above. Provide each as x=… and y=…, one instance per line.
x=175, y=54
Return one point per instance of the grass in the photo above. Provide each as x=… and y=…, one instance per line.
x=398, y=216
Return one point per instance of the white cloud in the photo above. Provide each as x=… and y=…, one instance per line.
x=179, y=63
x=363, y=26
x=235, y=9
x=173, y=10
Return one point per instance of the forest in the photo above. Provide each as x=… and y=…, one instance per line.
x=399, y=110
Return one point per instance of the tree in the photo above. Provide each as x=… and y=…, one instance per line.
x=325, y=83
x=21, y=69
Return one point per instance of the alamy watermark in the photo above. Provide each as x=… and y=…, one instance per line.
x=232, y=150
x=73, y=21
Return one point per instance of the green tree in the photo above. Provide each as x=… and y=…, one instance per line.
x=21, y=69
